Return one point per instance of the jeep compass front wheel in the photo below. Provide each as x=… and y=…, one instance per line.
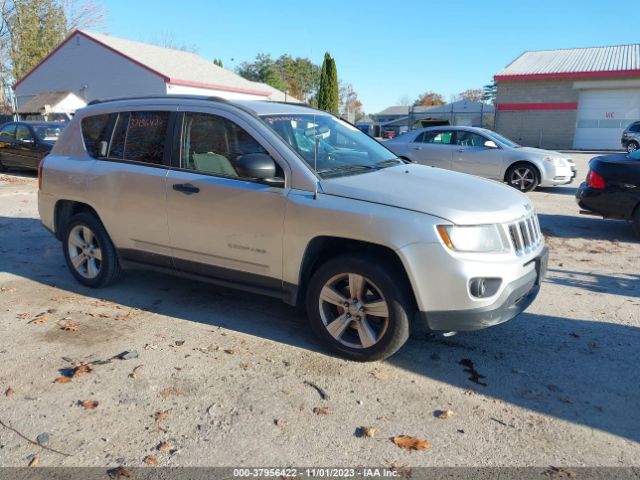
x=358, y=308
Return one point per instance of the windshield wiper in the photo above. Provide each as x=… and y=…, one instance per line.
x=388, y=163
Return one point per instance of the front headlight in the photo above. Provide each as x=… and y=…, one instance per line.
x=473, y=238
x=556, y=161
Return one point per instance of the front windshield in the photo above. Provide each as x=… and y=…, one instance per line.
x=330, y=146
x=501, y=139
x=48, y=132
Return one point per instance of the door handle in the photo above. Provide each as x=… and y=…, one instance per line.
x=185, y=188
x=416, y=148
x=461, y=150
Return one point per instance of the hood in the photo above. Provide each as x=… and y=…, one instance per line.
x=457, y=197
x=541, y=152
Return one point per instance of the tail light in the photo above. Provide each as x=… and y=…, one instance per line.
x=595, y=180
x=40, y=173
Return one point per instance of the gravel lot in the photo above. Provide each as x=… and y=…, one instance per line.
x=224, y=378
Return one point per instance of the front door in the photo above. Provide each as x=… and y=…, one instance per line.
x=25, y=147
x=7, y=141
x=473, y=157
x=222, y=225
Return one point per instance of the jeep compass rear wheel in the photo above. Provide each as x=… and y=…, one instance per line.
x=88, y=251
x=358, y=308
x=632, y=146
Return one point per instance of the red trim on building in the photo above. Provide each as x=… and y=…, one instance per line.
x=558, y=76
x=187, y=83
x=173, y=81
x=538, y=106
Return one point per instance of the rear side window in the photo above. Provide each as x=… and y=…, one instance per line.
x=140, y=137
x=95, y=129
x=438, y=137
x=9, y=131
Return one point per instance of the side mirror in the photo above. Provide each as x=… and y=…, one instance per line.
x=259, y=166
x=490, y=144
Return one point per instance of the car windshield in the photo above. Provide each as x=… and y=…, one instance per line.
x=48, y=132
x=330, y=146
x=501, y=139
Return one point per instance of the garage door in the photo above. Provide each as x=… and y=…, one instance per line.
x=603, y=115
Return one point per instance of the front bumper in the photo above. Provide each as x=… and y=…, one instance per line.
x=515, y=298
x=560, y=176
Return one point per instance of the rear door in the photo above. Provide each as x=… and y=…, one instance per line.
x=471, y=156
x=127, y=180
x=25, y=148
x=222, y=225
x=434, y=148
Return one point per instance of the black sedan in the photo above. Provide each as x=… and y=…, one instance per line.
x=612, y=188
x=23, y=144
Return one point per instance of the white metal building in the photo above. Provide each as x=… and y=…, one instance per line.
x=580, y=97
x=97, y=66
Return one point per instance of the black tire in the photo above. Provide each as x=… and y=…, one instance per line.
x=632, y=146
x=108, y=265
x=378, y=279
x=523, y=176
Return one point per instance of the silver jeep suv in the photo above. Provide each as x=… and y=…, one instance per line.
x=288, y=201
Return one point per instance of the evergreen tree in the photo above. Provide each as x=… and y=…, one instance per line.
x=218, y=62
x=328, y=91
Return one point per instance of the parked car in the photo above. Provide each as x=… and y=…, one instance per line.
x=631, y=137
x=24, y=144
x=485, y=153
x=388, y=134
x=612, y=188
x=288, y=201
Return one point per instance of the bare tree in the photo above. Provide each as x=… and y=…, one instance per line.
x=404, y=100
x=167, y=39
x=83, y=14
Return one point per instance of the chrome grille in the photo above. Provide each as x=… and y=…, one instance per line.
x=525, y=234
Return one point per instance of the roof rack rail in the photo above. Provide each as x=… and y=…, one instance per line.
x=155, y=97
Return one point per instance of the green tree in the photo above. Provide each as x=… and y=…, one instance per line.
x=328, y=98
x=218, y=62
x=35, y=28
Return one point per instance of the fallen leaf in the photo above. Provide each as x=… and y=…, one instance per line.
x=230, y=351
x=401, y=469
x=9, y=391
x=149, y=346
x=23, y=316
x=161, y=415
x=119, y=472
x=89, y=404
x=280, y=422
x=378, y=375
x=81, y=370
x=368, y=431
x=150, y=460
x=558, y=472
x=35, y=460
x=444, y=414
x=62, y=380
x=40, y=319
x=163, y=446
x=134, y=373
x=69, y=326
x=244, y=366
x=411, y=443
x=170, y=392
x=321, y=410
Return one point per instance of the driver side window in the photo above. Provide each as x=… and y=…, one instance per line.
x=23, y=133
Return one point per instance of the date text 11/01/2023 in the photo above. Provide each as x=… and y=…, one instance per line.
x=316, y=472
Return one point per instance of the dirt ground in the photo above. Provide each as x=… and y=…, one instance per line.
x=219, y=377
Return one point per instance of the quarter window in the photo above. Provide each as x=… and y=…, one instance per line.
x=9, y=131
x=213, y=144
x=140, y=137
x=95, y=129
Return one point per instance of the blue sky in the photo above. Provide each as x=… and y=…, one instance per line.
x=385, y=49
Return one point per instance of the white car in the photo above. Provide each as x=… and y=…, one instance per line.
x=485, y=153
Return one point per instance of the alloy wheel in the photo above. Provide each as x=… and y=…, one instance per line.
x=353, y=310
x=523, y=178
x=84, y=251
x=632, y=147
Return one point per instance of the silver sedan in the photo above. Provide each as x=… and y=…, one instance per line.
x=485, y=153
